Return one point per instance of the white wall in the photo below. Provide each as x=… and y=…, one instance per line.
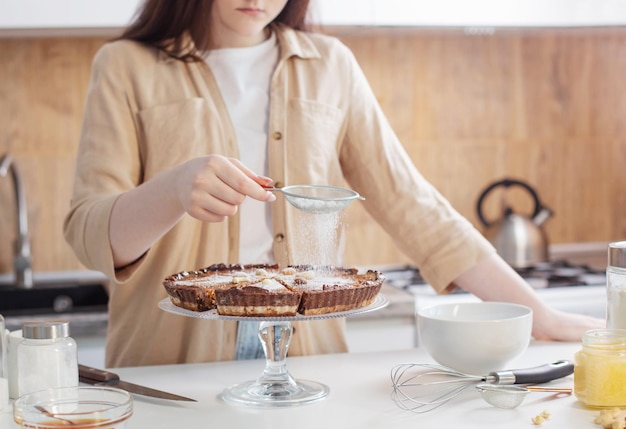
x=93, y=17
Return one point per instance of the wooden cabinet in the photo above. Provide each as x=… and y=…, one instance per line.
x=544, y=106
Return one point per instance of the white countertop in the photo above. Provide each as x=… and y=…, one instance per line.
x=359, y=396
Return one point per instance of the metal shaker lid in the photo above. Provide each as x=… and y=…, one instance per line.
x=46, y=330
x=617, y=254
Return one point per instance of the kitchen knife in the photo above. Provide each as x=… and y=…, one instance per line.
x=100, y=377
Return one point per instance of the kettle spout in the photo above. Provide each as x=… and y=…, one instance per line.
x=542, y=215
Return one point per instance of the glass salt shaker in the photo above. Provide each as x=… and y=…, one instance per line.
x=3, y=349
x=4, y=382
x=616, y=286
x=47, y=357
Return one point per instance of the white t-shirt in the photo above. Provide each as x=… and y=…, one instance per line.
x=243, y=76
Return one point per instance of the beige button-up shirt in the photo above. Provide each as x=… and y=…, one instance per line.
x=146, y=112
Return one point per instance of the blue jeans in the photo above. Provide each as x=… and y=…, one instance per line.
x=248, y=342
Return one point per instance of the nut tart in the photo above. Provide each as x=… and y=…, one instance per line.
x=268, y=291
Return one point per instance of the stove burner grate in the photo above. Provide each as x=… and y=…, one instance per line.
x=559, y=273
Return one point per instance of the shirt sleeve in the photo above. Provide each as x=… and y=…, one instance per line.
x=107, y=163
x=423, y=224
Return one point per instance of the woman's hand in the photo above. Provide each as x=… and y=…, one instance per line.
x=493, y=279
x=209, y=188
x=555, y=325
x=212, y=187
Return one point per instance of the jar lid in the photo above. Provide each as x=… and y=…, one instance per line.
x=46, y=330
x=617, y=254
x=606, y=339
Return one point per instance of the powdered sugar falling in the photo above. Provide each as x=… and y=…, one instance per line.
x=319, y=239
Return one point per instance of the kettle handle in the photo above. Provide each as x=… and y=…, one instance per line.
x=506, y=183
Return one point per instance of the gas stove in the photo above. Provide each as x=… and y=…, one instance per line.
x=552, y=274
x=567, y=286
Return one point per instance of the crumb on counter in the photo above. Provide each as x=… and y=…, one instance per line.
x=540, y=418
x=537, y=420
x=610, y=419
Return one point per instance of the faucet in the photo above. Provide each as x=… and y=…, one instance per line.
x=22, y=263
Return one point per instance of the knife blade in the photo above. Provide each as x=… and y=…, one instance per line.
x=101, y=377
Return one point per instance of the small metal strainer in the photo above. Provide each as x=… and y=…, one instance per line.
x=502, y=396
x=318, y=199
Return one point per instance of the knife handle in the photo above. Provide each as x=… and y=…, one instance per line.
x=95, y=374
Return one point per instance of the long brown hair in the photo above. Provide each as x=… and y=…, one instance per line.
x=164, y=23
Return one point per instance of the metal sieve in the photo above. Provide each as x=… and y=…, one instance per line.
x=318, y=199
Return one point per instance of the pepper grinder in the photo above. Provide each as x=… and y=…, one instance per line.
x=616, y=286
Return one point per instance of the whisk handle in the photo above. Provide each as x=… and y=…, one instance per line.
x=535, y=375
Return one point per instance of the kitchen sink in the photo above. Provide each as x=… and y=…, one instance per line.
x=72, y=295
x=54, y=292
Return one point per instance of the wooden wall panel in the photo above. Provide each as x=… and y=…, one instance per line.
x=546, y=106
x=43, y=84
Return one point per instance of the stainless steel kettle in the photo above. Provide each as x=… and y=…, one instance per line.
x=520, y=240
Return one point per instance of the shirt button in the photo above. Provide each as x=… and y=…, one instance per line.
x=279, y=238
x=277, y=135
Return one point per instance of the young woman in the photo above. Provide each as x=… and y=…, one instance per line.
x=188, y=115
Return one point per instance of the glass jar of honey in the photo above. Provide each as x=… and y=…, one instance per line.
x=600, y=369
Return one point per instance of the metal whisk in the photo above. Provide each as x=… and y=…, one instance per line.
x=425, y=387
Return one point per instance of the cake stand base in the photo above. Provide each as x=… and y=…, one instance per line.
x=275, y=395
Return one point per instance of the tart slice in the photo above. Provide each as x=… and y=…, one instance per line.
x=265, y=298
x=328, y=289
x=195, y=290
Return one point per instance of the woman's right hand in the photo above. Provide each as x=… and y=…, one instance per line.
x=209, y=188
x=212, y=187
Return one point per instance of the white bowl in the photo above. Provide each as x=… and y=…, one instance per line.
x=475, y=337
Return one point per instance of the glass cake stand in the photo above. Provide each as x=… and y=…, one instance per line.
x=275, y=387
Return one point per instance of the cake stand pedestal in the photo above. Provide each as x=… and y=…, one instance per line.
x=275, y=387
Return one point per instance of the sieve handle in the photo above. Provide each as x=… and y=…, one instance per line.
x=535, y=375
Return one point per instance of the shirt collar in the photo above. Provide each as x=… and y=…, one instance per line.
x=294, y=43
